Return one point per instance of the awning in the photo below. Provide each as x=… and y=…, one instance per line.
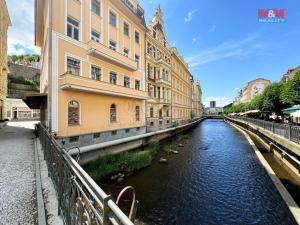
x=35, y=100
x=250, y=111
x=293, y=109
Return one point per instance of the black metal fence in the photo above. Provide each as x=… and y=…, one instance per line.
x=284, y=130
x=80, y=199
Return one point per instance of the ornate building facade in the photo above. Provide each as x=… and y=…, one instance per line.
x=158, y=72
x=92, y=69
x=4, y=24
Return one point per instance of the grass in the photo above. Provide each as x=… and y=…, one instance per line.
x=125, y=163
x=172, y=147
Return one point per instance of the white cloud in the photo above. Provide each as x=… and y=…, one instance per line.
x=224, y=50
x=220, y=101
x=21, y=34
x=189, y=16
x=212, y=29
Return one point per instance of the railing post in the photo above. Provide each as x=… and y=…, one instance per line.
x=106, y=210
x=289, y=130
x=273, y=128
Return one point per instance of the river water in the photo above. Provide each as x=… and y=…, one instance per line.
x=215, y=179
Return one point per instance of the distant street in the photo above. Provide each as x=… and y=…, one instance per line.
x=17, y=180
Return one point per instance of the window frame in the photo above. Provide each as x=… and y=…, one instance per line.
x=137, y=35
x=91, y=72
x=111, y=12
x=111, y=47
x=139, y=84
x=67, y=65
x=137, y=113
x=113, y=118
x=116, y=77
x=126, y=54
x=79, y=114
x=93, y=37
x=73, y=26
x=128, y=26
x=99, y=2
x=126, y=81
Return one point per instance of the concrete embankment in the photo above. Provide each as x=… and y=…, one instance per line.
x=250, y=136
x=92, y=152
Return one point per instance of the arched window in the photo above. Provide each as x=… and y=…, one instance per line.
x=137, y=113
x=73, y=113
x=113, y=113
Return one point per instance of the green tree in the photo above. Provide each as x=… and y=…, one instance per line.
x=271, y=100
x=290, y=94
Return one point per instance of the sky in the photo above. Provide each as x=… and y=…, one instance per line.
x=222, y=41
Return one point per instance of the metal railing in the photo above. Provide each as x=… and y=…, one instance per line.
x=287, y=131
x=80, y=199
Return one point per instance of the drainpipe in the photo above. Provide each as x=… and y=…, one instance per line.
x=49, y=107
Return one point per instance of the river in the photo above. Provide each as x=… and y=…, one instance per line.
x=215, y=179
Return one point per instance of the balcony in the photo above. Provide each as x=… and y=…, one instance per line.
x=163, y=81
x=78, y=83
x=103, y=52
x=163, y=101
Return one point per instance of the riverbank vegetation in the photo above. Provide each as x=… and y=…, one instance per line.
x=122, y=163
x=275, y=98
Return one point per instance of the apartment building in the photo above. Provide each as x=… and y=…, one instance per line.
x=92, y=69
x=253, y=88
x=158, y=73
x=182, y=88
x=4, y=24
x=197, y=109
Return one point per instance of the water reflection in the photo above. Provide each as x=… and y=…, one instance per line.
x=216, y=179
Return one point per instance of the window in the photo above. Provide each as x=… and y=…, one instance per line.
x=126, y=82
x=112, y=45
x=151, y=111
x=96, y=7
x=96, y=135
x=127, y=130
x=137, y=60
x=151, y=123
x=137, y=113
x=126, y=52
x=73, y=28
x=137, y=85
x=114, y=132
x=113, y=78
x=95, y=36
x=137, y=129
x=112, y=19
x=73, y=66
x=73, y=139
x=73, y=113
x=126, y=29
x=113, y=113
x=137, y=37
x=95, y=72
x=160, y=122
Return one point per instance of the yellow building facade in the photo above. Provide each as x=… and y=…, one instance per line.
x=158, y=72
x=197, y=109
x=4, y=24
x=92, y=69
x=182, y=89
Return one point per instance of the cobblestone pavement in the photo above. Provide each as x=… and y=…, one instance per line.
x=17, y=180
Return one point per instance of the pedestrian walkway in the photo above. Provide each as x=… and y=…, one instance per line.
x=17, y=174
